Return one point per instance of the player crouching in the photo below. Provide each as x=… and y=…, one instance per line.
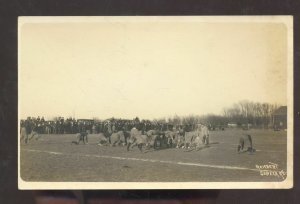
x=83, y=136
x=245, y=140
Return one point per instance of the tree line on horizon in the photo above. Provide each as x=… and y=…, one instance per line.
x=259, y=115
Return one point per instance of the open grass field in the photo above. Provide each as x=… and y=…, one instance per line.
x=54, y=158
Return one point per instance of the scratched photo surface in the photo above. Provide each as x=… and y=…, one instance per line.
x=155, y=102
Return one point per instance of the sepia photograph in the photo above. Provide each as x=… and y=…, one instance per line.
x=155, y=102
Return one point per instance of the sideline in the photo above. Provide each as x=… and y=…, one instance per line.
x=147, y=160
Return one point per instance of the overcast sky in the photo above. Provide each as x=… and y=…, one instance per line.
x=151, y=70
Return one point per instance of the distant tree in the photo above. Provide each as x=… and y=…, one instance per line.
x=245, y=112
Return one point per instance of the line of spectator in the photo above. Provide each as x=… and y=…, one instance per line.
x=71, y=125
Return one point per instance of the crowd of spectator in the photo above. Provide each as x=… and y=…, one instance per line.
x=72, y=125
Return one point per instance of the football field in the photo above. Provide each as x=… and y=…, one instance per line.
x=55, y=158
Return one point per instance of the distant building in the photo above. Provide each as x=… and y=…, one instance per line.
x=247, y=125
x=232, y=125
x=85, y=120
x=280, y=118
